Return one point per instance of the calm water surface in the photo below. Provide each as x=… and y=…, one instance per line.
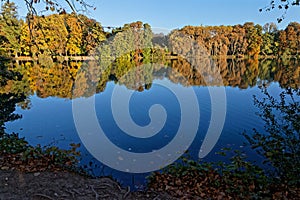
x=48, y=120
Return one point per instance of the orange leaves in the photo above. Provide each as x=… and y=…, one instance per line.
x=75, y=35
x=15, y=161
x=201, y=184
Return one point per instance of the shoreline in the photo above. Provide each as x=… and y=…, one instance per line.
x=167, y=57
x=66, y=185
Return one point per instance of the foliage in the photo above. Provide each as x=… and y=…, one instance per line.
x=10, y=29
x=16, y=153
x=289, y=40
x=239, y=178
x=133, y=41
x=280, y=144
x=238, y=40
x=269, y=44
x=254, y=38
x=59, y=6
x=93, y=34
x=281, y=5
x=7, y=107
x=59, y=79
x=65, y=34
x=191, y=179
x=249, y=39
x=235, y=179
x=62, y=34
x=8, y=99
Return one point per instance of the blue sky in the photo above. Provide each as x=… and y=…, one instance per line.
x=171, y=14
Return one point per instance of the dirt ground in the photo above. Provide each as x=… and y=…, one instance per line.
x=65, y=185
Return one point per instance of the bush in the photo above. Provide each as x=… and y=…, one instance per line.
x=280, y=144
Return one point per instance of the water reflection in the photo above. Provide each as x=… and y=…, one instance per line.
x=58, y=79
x=9, y=99
x=48, y=87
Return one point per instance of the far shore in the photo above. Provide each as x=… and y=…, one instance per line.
x=168, y=57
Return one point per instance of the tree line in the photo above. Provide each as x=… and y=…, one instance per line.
x=63, y=34
x=249, y=39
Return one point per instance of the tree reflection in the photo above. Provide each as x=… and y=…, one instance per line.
x=8, y=100
x=28, y=78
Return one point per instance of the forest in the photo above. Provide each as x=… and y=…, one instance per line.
x=63, y=34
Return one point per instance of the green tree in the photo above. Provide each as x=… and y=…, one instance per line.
x=8, y=99
x=10, y=29
x=269, y=45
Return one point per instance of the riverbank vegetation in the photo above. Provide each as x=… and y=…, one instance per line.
x=240, y=178
x=15, y=152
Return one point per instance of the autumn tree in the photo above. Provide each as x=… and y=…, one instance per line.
x=25, y=40
x=295, y=39
x=92, y=34
x=237, y=41
x=48, y=34
x=289, y=40
x=75, y=35
x=253, y=37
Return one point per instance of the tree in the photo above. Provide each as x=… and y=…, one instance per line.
x=75, y=35
x=281, y=5
x=237, y=41
x=92, y=34
x=253, y=36
x=48, y=34
x=292, y=39
x=10, y=28
x=269, y=46
x=270, y=28
x=8, y=99
x=296, y=37
x=280, y=144
x=56, y=6
x=289, y=40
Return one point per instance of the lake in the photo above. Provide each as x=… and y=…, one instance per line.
x=134, y=118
